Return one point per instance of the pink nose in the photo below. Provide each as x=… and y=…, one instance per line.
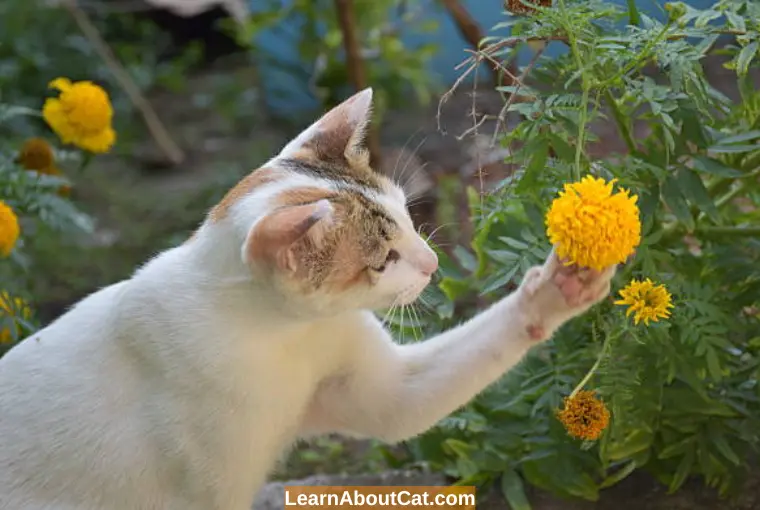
x=428, y=264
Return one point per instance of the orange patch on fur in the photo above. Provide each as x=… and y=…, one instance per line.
x=250, y=182
x=350, y=267
x=299, y=196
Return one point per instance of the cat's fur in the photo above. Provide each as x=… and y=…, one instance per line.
x=179, y=388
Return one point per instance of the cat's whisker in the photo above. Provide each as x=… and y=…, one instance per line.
x=416, y=324
x=416, y=170
x=389, y=314
x=439, y=227
x=401, y=152
x=411, y=157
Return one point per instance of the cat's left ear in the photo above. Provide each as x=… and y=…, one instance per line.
x=275, y=239
x=340, y=132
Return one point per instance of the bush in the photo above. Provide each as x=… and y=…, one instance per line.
x=682, y=392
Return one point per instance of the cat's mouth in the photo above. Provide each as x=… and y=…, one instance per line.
x=410, y=294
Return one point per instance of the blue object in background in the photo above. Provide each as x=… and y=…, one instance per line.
x=288, y=93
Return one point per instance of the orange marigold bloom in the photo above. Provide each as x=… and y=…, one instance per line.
x=584, y=416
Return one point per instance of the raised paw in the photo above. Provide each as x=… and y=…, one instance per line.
x=556, y=292
x=581, y=286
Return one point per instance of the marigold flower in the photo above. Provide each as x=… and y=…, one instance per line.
x=593, y=227
x=584, y=416
x=37, y=155
x=646, y=300
x=81, y=115
x=9, y=229
x=8, y=307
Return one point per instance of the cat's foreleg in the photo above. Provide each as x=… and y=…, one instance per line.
x=393, y=392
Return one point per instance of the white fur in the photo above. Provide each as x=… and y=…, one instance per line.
x=179, y=388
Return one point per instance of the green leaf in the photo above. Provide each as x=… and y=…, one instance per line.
x=563, y=150
x=714, y=167
x=743, y=137
x=678, y=448
x=728, y=149
x=633, y=13
x=513, y=490
x=618, y=475
x=673, y=198
x=682, y=472
x=453, y=288
x=537, y=163
x=694, y=189
x=637, y=441
x=735, y=21
x=460, y=448
x=745, y=57
x=7, y=112
x=468, y=261
x=500, y=281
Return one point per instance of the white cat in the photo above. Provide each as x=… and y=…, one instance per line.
x=179, y=388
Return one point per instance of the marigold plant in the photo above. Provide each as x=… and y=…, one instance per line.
x=35, y=192
x=670, y=386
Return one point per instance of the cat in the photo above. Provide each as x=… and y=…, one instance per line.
x=180, y=387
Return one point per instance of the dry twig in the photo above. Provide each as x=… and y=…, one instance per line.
x=156, y=128
x=355, y=65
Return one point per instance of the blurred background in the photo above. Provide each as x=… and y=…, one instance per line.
x=215, y=88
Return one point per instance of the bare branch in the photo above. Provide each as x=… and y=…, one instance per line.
x=355, y=65
x=156, y=128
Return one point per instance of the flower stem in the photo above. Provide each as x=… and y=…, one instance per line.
x=581, y=129
x=622, y=125
x=586, y=86
x=605, y=348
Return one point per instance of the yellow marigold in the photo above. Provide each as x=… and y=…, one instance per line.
x=8, y=308
x=9, y=229
x=592, y=226
x=584, y=416
x=81, y=115
x=646, y=300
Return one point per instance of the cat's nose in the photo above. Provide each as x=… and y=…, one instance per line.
x=428, y=263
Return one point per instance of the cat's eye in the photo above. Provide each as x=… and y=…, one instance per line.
x=392, y=256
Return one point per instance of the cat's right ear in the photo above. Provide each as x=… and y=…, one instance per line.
x=272, y=241
x=339, y=132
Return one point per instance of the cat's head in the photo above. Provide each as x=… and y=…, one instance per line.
x=331, y=233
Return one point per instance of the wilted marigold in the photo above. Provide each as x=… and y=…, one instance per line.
x=647, y=301
x=584, y=416
x=593, y=227
x=37, y=155
x=9, y=229
x=9, y=307
x=81, y=115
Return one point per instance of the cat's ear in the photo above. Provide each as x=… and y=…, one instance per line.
x=340, y=132
x=272, y=241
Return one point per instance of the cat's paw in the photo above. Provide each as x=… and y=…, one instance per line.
x=555, y=293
